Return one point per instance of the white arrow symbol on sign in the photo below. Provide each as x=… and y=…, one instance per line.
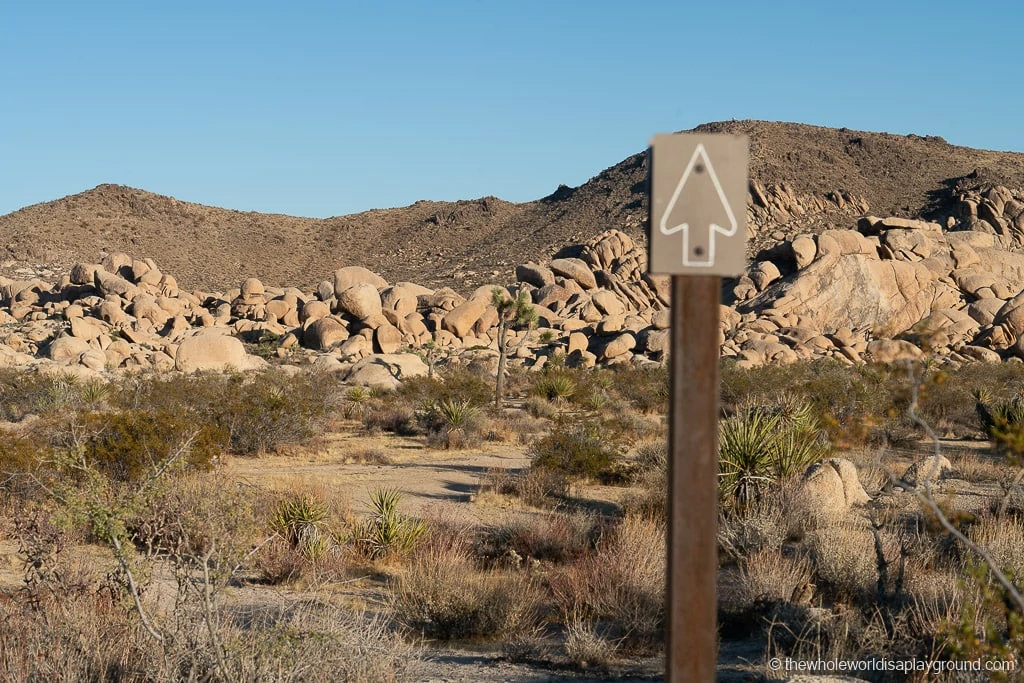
x=701, y=211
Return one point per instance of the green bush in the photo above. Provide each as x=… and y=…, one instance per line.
x=577, y=448
x=850, y=403
x=18, y=454
x=273, y=409
x=255, y=413
x=454, y=383
x=646, y=389
x=131, y=445
x=23, y=393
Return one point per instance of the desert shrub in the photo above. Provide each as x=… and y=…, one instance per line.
x=539, y=487
x=553, y=537
x=388, y=531
x=844, y=561
x=256, y=413
x=585, y=647
x=454, y=383
x=265, y=345
x=19, y=454
x=278, y=563
x=989, y=625
x=621, y=583
x=442, y=595
x=1002, y=421
x=652, y=456
x=540, y=407
x=395, y=417
x=847, y=401
x=23, y=393
x=274, y=409
x=762, y=524
x=646, y=389
x=188, y=514
x=577, y=448
x=768, y=575
x=948, y=396
x=1004, y=541
x=129, y=445
x=90, y=642
x=649, y=498
x=320, y=643
x=87, y=641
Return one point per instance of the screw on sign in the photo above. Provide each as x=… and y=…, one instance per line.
x=697, y=225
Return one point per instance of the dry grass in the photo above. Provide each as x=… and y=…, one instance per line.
x=442, y=594
x=769, y=575
x=1004, y=541
x=978, y=467
x=622, y=582
x=844, y=560
x=585, y=648
x=88, y=641
x=556, y=537
x=764, y=523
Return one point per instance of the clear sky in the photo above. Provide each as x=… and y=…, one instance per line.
x=325, y=108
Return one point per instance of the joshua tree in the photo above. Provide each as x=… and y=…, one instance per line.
x=514, y=313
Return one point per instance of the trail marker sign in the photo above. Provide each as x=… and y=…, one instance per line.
x=697, y=221
x=698, y=204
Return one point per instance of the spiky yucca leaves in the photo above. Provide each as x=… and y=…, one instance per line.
x=452, y=422
x=457, y=414
x=388, y=531
x=761, y=444
x=745, y=453
x=555, y=386
x=299, y=521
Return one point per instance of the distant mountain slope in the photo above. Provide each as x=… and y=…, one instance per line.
x=466, y=243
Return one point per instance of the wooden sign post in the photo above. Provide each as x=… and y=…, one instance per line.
x=697, y=234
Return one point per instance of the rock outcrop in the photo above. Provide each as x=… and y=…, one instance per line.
x=890, y=290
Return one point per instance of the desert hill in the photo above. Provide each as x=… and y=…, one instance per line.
x=804, y=179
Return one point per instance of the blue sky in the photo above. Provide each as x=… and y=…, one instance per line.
x=325, y=108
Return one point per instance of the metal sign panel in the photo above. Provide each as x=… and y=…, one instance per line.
x=698, y=204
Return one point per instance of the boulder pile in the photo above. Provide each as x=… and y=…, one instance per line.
x=884, y=289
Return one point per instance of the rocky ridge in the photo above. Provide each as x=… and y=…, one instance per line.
x=882, y=290
x=805, y=179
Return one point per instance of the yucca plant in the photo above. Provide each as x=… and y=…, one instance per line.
x=745, y=453
x=94, y=394
x=761, y=444
x=356, y=401
x=555, y=386
x=299, y=521
x=457, y=414
x=388, y=531
x=61, y=393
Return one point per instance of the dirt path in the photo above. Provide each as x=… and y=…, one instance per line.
x=352, y=465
